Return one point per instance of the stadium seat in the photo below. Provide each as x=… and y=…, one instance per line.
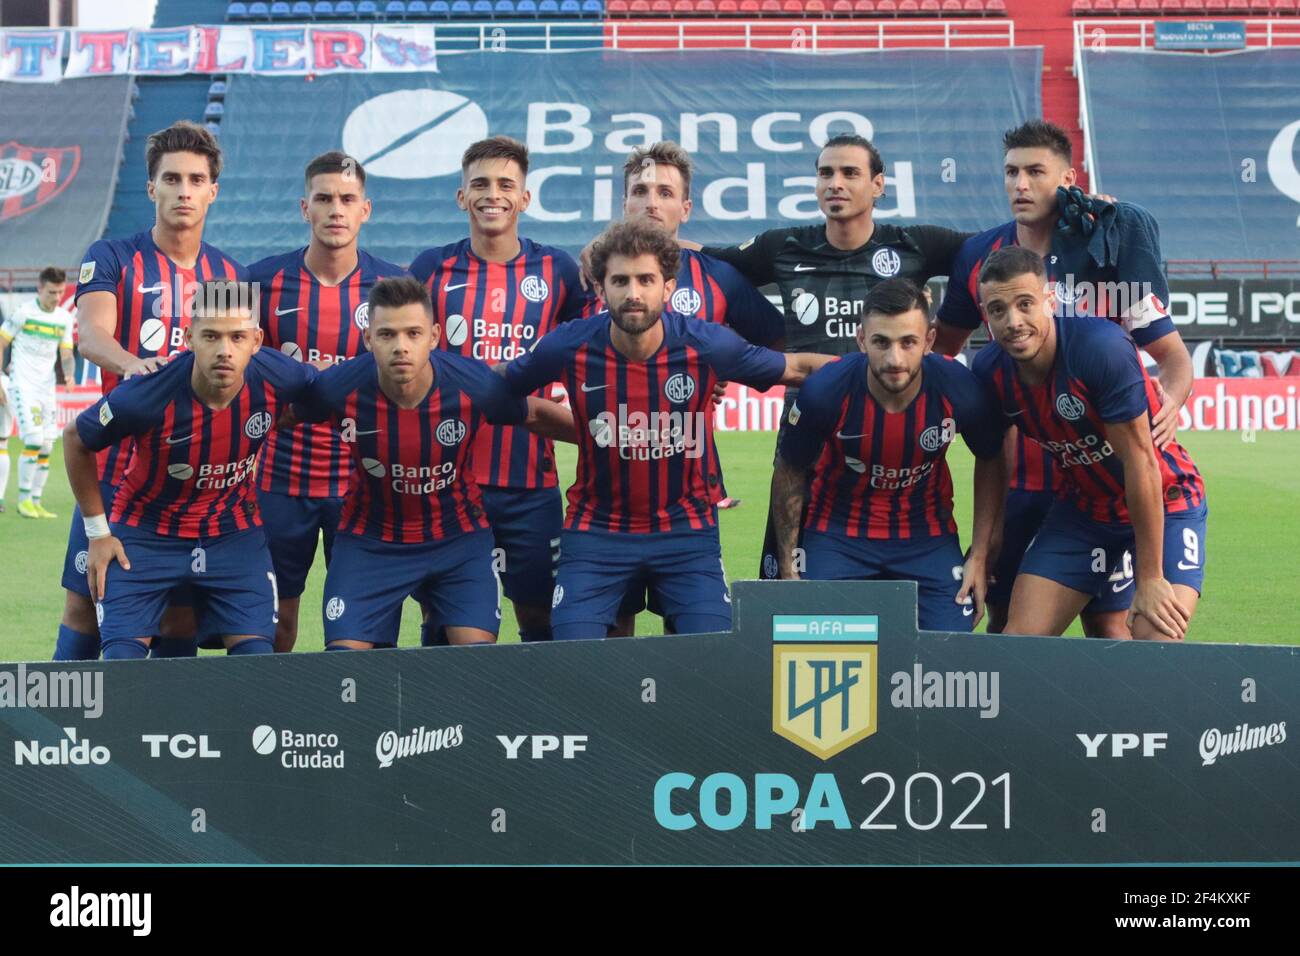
x=237, y=11
x=504, y=8
x=683, y=8
x=1081, y=7
x=616, y=8
x=951, y=6
x=886, y=8
x=367, y=10
x=457, y=8
x=1126, y=7
x=749, y=8
x=345, y=10
x=842, y=8
x=1149, y=7
x=302, y=10
x=1239, y=6
x=974, y=8
x=706, y=8
x=593, y=8
x=481, y=8
x=995, y=8
x=525, y=8
x=570, y=8
x=661, y=8
x=814, y=8
x=1260, y=7
x=1103, y=6
x=1171, y=6
x=395, y=10
x=214, y=112
x=217, y=90
x=1216, y=6
x=907, y=8
x=213, y=128
x=864, y=7
x=792, y=8
x=930, y=8
x=548, y=8
x=259, y=11
x=769, y=8
x=1285, y=7
x=728, y=8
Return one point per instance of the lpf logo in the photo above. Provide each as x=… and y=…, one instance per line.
x=886, y=262
x=679, y=387
x=1070, y=407
x=362, y=316
x=451, y=432
x=258, y=425
x=824, y=680
x=686, y=301
x=936, y=436
x=534, y=288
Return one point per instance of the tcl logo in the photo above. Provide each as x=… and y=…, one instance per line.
x=1121, y=744
x=542, y=744
x=182, y=746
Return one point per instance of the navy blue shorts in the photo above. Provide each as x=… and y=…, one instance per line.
x=682, y=569
x=526, y=525
x=933, y=563
x=293, y=525
x=368, y=580
x=1089, y=556
x=78, y=553
x=1023, y=516
x=230, y=577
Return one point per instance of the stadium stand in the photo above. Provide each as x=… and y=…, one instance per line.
x=179, y=13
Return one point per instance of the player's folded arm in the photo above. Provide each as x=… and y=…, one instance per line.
x=754, y=258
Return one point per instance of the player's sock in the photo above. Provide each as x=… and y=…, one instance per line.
x=42, y=474
x=27, y=472
x=252, y=645
x=531, y=635
x=75, y=646
x=127, y=650
x=4, y=468
x=174, y=647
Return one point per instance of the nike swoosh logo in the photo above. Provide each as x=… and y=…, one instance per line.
x=967, y=611
x=177, y=441
x=453, y=288
x=803, y=268
x=1015, y=414
x=1188, y=567
x=843, y=437
x=153, y=288
x=592, y=388
x=1120, y=587
x=373, y=431
x=287, y=311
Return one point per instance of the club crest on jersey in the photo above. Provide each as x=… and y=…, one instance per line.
x=557, y=596
x=1065, y=294
x=679, y=387
x=886, y=262
x=87, y=272
x=824, y=680
x=27, y=172
x=105, y=414
x=1069, y=407
x=361, y=317
x=258, y=425
x=450, y=432
x=334, y=608
x=686, y=301
x=534, y=288
x=82, y=562
x=936, y=436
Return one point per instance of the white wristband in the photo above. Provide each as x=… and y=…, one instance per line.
x=96, y=526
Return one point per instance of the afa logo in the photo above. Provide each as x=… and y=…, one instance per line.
x=679, y=387
x=534, y=288
x=886, y=262
x=258, y=425
x=361, y=317
x=1070, y=407
x=31, y=176
x=451, y=432
x=686, y=301
x=824, y=680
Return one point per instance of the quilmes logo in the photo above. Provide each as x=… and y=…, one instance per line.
x=1217, y=743
x=420, y=740
x=299, y=751
x=67, y=752
x=824, y=680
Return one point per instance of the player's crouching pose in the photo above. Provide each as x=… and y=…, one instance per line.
x=413, y=518
x=875, y=429
x=187, y=511
x=641, y=383
x=1077, y=387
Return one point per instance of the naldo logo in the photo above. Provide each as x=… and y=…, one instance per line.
x=451, y=432
x=686, y=301
x=258, y=425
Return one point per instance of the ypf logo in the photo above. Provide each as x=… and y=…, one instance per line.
x=679, y=387
x=413, y=134
x=824, y=694
x=1069, y=407
x=361, y=316
x=258, y=425
x=534, y=288
x=451, y=432
x=1282, y=165
x=886, y=263
x=334, y=608
x=686, y=301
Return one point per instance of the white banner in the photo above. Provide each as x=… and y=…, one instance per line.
x=36, y=56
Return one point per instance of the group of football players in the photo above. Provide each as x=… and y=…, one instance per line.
x=407, y=416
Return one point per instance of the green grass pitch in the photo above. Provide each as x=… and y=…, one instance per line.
x=1253, y=490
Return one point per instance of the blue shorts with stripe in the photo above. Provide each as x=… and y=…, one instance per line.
x=682, y=569
x=526, y=524
x=1089, y=556
x=293, y=526
x=368, y=580
x=935, y=564
x=229, y=576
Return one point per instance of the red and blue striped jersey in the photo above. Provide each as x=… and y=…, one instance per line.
x=312, y=322
x=153, y=297
x=1097, y=378
x=714, y=291
x=882, y=474
x=1032, y=467
x=493, y=312
x=412, y=481
x=191, y=473
x=646, y=459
